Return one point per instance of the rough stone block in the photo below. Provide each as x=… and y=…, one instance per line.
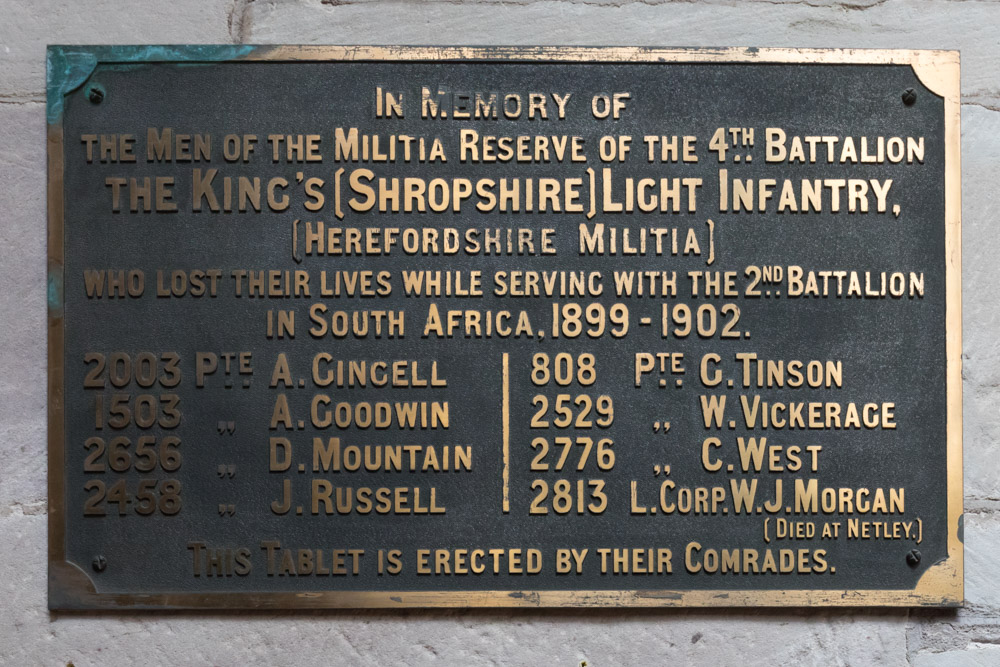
x=27, y=28
x=925, y=24
x=23, y=392
x=982, y=562
x=980, y=246
x=981, y=444
x=975, y=655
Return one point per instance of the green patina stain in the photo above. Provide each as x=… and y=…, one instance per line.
x=68, y=67
x=55, y=290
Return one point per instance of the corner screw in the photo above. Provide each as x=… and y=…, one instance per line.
x=913, y=558
x=909, y=97
x=100, y=563
x=95, y=94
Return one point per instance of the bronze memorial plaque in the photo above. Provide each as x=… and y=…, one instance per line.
x=503, y=327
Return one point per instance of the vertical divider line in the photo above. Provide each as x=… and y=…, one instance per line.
x=505, y=411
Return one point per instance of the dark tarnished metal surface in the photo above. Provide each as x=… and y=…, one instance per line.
x=188, y=436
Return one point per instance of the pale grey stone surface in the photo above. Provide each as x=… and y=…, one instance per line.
x=22, y=275
x=976, y=655
x=982, y=560
x=981, y=210
x=27, y=27
x=29, y=635
x=928, y=24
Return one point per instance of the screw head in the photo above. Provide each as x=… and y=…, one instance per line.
x=95, y=94
x=100, y=563
x=909, y=97
x=913, y=558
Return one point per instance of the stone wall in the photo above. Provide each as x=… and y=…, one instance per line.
x=30, y=635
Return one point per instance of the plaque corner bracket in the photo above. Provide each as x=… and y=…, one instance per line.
x=938, y=71
x=67, y=68
x=69, y=586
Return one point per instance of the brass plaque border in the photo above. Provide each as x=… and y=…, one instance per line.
x=70, y=587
